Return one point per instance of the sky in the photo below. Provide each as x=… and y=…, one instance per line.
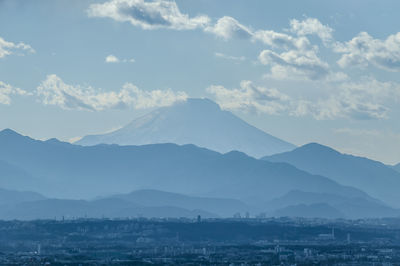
x=304, y=71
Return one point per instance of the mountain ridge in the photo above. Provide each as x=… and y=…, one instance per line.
x=151, y=198
x=186, y=168
x=373, y=177
x=350, y=208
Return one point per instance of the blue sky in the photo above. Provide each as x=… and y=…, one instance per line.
x=304, y=71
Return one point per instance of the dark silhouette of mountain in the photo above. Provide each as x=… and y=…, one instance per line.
x=13, y=197
x=375, y=178
x=351, y=208
x=156, y=198
x=109, y=208
x=73, y=171
x=318, y=210
x=196, y=121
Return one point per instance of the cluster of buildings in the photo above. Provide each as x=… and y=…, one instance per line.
x=200, y=241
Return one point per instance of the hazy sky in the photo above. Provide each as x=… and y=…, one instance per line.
x=304, y=71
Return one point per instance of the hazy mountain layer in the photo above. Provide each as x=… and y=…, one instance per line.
x=142, y=203
x=375, y=178
x=83, y=172
x=154, y=198
x=351, y=208
x=8, y=197
x=160, y=204
x=197, y=121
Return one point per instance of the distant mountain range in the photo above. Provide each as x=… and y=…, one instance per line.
x=142, y=203
x=11, y=197
x=295, y=201
x=160, y=204
x=196, y=121
x=224, y=184
x=375, y=178
x=156, y=198
x=72, y=171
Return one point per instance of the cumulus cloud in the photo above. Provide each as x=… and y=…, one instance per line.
x=343, y=105
x=282, y=40
x=7, y=91
x=148, y=15
x=295, y=62
x=364, y=50
x=228, y=27
x=53, y=91
x=142, y=99
x=294, y=57
x=290, y=55
x=312, y=26
x=361, y=100
x=300, y=57
x=250, y=98
x=113, y=59
x=374, y=89
x=9, y=48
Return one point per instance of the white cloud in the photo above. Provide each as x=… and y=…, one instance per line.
x=367, y=98
x=9, y=48
x=228, y=27
x=312, y=26
x=280, y=72
x=148, y=15
x=230, y=57
x=6, y=91
x=112, y=59
x=294, y=57
x=282, y=40
x=342, y=105
x=54, y=91
x=359, y=101
x=374, y=89
x=298, y=59
x=250, y=98
x=295, y=63
x=142, y=99
x=363, y=50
